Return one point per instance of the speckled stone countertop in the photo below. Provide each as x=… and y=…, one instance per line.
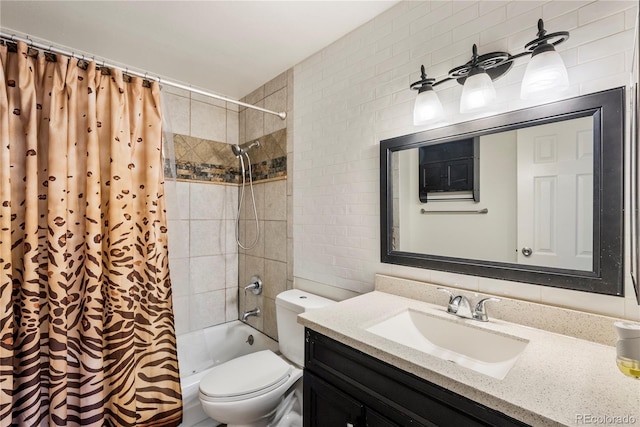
x=557, y=380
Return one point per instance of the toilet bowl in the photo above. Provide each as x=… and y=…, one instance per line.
x=246, y=391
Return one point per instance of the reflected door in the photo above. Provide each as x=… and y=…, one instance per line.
x=555, y=195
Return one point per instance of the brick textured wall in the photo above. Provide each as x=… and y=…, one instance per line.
x=355, y=92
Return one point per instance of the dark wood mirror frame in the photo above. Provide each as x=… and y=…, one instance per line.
x=607, y=109
x=635, y=189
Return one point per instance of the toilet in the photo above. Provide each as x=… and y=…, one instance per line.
x=247, y=390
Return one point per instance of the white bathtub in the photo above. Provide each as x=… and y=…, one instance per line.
x=199, y=351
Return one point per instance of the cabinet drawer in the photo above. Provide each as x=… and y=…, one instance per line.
x=395, y=394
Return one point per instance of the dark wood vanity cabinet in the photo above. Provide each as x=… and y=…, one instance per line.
x=345, y=387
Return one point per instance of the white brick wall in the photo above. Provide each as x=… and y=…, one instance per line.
x=355, y=92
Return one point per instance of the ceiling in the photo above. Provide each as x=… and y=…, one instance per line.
x=226, y=47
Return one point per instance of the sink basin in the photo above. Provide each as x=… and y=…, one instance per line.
x=455, y=340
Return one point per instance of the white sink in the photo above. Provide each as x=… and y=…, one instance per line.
x=455, y=340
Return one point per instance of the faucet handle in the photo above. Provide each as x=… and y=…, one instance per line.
x=480, y=311
x=254, y=286
x=448, y=292
x=454, y=301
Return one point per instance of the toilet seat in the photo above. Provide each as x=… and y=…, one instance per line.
x=244, y=377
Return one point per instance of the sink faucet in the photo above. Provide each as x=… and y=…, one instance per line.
x=461, y=307
x=247, y=314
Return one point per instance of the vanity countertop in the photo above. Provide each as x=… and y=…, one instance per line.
x=557, y=380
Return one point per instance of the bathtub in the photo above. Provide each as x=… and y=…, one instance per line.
x=199, y=351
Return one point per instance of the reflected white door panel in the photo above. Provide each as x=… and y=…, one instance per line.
x=555, y=195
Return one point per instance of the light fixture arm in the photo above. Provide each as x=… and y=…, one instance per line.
x=545, y=42
x=474, y=55
x=497, y=64
x=425, y=83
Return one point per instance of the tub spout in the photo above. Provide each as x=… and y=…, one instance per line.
x=247, y=314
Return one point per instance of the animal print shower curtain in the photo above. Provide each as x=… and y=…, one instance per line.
x=86, y=323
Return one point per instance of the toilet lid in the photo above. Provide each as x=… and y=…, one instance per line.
x=245, y=375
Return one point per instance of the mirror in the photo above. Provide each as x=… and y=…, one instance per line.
x=534, y=196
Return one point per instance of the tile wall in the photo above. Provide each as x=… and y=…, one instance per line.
x=206, y=266
x=202, y=254
x=271, y=257
x=198, y=159
x=355, y=92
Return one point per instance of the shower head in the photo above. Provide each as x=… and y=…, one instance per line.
x=239, y=150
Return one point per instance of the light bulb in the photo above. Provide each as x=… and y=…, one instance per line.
x=477, y=91
x=426, y=107
x=544, y=72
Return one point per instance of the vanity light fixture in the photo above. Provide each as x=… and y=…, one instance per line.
x=477, y=90
x=427, y=105
x=546, y=69
x=544, y=72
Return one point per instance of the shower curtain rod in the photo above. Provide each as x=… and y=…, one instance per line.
x=50, y=48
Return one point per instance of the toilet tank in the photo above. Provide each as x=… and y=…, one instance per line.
x=290, y=333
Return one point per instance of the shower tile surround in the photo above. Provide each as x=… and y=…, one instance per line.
x=272, y=256
x=207, y=270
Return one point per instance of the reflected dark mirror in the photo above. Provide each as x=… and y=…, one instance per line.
x=534, y=196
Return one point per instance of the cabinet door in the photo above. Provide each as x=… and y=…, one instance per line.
x=397, y=397
x=325, y=405
x=374, y=419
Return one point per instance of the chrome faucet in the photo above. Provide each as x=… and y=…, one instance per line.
x=254, y=286
x=247, y=314
x=461, y=307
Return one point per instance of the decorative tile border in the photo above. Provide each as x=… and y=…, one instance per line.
x=211, y=161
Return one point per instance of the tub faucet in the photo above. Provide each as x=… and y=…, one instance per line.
x=461, y=307
x=247, y=314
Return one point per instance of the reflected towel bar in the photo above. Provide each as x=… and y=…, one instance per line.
x=480, y=211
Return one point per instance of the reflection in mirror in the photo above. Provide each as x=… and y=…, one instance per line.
x=543, y=204
x=537, y=190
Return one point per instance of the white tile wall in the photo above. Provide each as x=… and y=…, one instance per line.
x=208, y=121
x=275, y=203
x=355, y=92
x=205, y=264
x=203, y=257
x=202, y=254
x=207, y=309
x=207, y=201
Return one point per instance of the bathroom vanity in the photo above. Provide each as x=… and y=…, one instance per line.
x=355, y=375
x=343, y=386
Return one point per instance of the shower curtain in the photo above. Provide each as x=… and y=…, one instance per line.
x=87, y=332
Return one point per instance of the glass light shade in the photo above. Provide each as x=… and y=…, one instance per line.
x=544, y=72
x=426, y=107
x=477, y=92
